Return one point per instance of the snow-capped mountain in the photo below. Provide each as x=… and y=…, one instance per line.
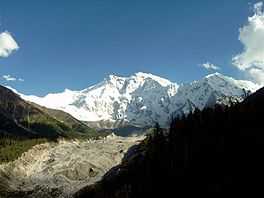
x=143, y=99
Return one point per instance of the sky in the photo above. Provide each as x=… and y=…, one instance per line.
x=47, y=46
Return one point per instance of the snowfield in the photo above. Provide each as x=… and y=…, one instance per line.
x=144, y=99
x=60, y=169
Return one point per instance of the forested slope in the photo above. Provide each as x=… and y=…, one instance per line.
x=210, y=151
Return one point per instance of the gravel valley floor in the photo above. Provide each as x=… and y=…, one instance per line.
x=60, y=169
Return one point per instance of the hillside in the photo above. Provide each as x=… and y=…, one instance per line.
x=217, y=150
x=76, y=126
x=24, y=119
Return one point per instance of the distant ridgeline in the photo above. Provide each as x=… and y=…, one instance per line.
x=214, y=150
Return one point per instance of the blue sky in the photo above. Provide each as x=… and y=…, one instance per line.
x=74, y=44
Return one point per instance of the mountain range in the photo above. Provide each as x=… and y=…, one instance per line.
x=143, y=99
x=216, y=150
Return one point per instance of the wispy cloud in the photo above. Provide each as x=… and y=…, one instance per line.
x=7, y=44
x=251, y=35
x=209, y=66
x=12, y=78
x=9, y=78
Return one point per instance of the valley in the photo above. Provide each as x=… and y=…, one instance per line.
x=62, y=168
x=131, y=99
x=60, y=144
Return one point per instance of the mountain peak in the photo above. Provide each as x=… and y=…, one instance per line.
x=114, y=77
x=141, y=77
x=162, y=81
x=143, y=98
x=143, y=74
x=220, y=80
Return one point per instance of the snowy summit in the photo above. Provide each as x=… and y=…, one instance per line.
x=143, y=99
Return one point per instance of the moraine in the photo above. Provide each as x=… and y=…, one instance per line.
x=59, y=169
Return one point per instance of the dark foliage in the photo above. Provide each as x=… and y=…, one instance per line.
x=216, y=150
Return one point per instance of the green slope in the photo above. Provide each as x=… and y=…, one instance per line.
x=21, y=118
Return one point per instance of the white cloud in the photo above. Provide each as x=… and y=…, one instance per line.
x=251, y=35
x=210, y=66
x=12, y=78
x=9, y=78
x=257, y=74
x=7, y=44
